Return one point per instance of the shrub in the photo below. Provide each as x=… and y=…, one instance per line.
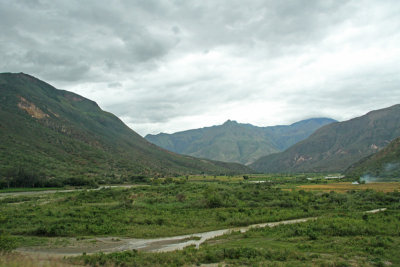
x=7, y=243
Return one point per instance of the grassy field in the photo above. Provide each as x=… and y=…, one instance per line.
x=176, y=206
x=347, y=186
x=158, y=210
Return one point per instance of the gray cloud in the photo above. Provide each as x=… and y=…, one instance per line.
x=172, y=65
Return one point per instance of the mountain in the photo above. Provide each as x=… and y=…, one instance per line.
x=336, y=146
x=61, y=134
x=383, y=164
x=237, y=142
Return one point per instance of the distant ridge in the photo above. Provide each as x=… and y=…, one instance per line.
x=383, y=164
x=334, y=147
x=61, y=134
x=237, y=142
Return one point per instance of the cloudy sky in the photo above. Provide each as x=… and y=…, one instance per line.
x=166, y=66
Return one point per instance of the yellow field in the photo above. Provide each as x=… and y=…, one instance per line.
x=346, y=186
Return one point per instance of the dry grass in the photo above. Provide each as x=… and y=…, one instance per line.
x=19, y=260
x=347, y=186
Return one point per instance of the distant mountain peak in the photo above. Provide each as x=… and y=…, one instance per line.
x=321, y=120
x=230, y=122
x=236, y=142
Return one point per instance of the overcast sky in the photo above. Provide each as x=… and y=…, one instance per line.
x=167, y=66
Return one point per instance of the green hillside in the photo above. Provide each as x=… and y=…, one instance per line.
x=50, y=133
x=336, y=146
x=383, y=164
x=237, y=142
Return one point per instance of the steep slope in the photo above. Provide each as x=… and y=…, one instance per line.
x=383, y=164
x=62, y=134
x=336, y=146
x=237, y=142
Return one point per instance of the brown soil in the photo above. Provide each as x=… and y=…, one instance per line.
x=31, y=109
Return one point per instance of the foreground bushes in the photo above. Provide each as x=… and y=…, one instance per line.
x=329, y=241
x=175, y=209
x=244, y=255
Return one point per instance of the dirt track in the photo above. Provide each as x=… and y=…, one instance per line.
x=114, y=244
x=30, y=193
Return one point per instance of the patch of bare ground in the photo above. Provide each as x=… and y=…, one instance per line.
x=76, y=247
x=31, y=109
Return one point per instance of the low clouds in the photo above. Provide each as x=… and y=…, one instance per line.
x=174, y=65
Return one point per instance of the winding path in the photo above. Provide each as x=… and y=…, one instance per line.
x=44, y=192
x=165, y=244
x=114, y=244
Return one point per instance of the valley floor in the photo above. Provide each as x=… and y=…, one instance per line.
x=140, y=226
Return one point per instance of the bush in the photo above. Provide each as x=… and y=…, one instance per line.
x=7, y=243
x=214, y=201
x=80, y=181
x=237, y=253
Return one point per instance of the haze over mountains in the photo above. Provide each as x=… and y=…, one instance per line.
x=383, y=164
x=61, y=134
x=237, y=142
x=336, y=146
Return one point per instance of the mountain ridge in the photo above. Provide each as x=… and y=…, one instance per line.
x=236, y=142
x=336, y=146
x=61, y=134
x=382, y=164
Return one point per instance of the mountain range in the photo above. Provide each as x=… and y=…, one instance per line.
x=61, y=134
x=237, y=142
x=56, y=133
x=334, y=147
